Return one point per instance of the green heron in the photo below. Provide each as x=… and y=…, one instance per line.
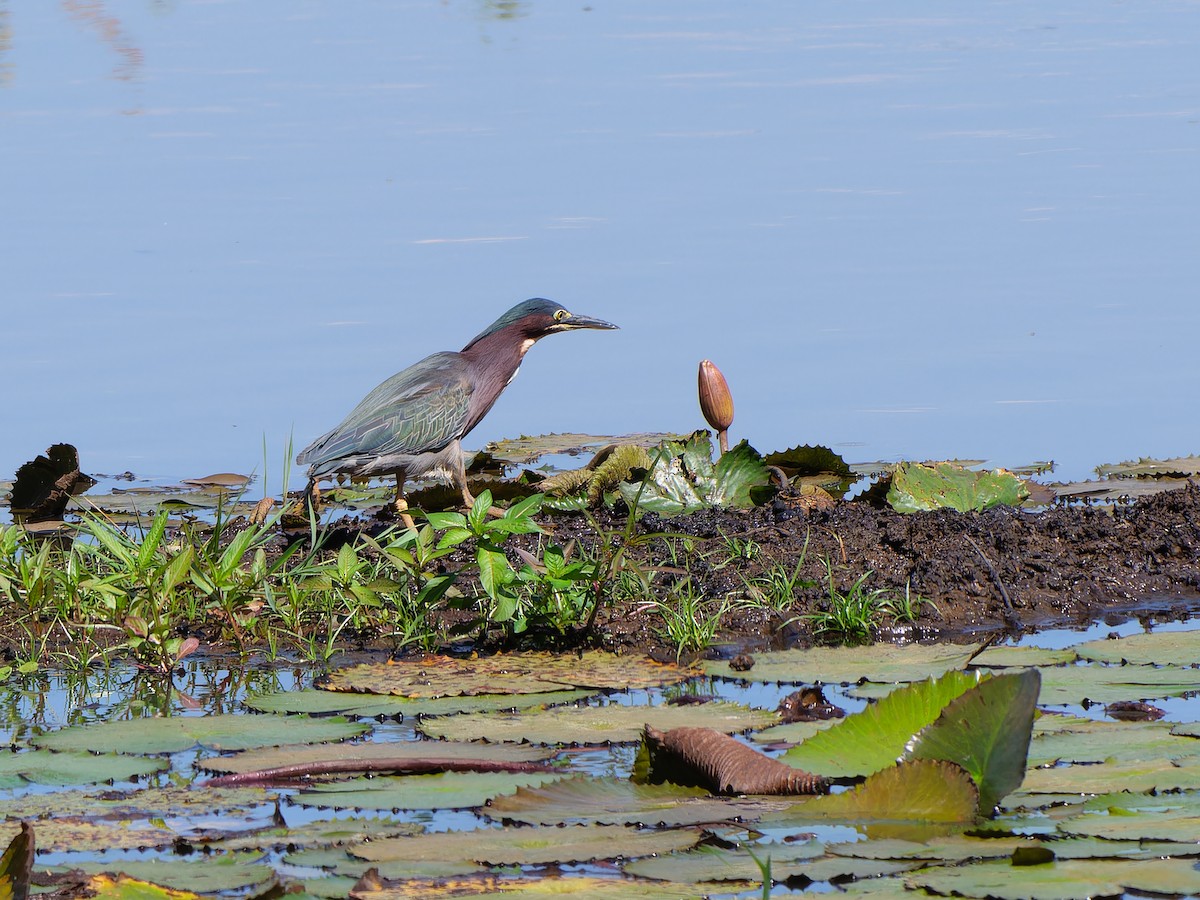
x=413, y=423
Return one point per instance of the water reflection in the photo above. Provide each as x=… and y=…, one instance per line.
x=94, y=16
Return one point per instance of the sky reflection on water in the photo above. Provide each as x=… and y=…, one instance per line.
x=958, y=232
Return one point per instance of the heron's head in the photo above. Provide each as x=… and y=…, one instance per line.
x=536, y=318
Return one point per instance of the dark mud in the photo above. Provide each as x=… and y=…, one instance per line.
x=1004, y=570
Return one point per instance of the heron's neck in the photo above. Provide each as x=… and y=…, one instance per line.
x=494, y=361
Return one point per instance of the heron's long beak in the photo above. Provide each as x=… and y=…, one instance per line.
x=577, y=321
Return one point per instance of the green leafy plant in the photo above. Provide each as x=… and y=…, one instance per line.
x=776, y=588
x=683, y=478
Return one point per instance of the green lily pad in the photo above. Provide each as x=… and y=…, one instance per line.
x=1100, y=741
x=447, y=790
x=1153, y=775
x=151, y=803
x=211, y=875
x=538, y=845
x=876, y=737
x=1178, y=467
x=847, y=665
x=1022, y=657
x=509, y=673
x=714, y=864
x=220, y=732
x=274, y=757
x=328, y=833
x=518, y=888
x=340, y=863
x=917, y=487
x=1108, y=684
x=44, y=767
x=582, y=725
x=923, y=790
x=1060, y=880
x=73, y=834
x=809, y=460
x=986, y=730
x=1177, y=648
x=611, y=801
x=321, y=702
x=524, y=450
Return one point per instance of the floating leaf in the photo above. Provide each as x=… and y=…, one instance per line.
x=1061, y=880
x=986, y=730
x=1021, y=657
x=322, y=702
x=151, y=803
x=1179, y=467
x=256, y=760
x=925, y=790
x=329, y=833
x=1177, y=648
x=847, y=665
x=801, y=860
x=611, y=801
x=220, y=732
x=876, y=737
x=916, y=487
x=537, y=845
x=506, y=673
x=1109, y=684
x=525, y=449
x=213, y=874
x=74, y=834
x=612, y=723
x=1152, y=775
x=516, y=888
x=225, y=480
x=43, y=767
x=449, y=790
x=1097, y=741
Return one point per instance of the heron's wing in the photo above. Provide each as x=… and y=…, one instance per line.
x=419, y=410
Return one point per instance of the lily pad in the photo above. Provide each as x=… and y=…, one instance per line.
x=71, y=834
x=1060, y=880
x=517, y=888
x=1152, y=775
x=917, y=487
x=213, y=874
x=320, y=702
x=809, y=460
x=924, y=790
x=219, y=732
x=877, y=737
x=847, y=665
x=1177, y=648
x=538, y=845
x=508, y=673
x=448, y=790
x=44, y=767
x=1022, y=657
x=273, y=757
x=612, y=801
x=986, y=730
x=1098, y=741
x=1109, y=684
x=151, y=803
x=328, y=833
x=612, y=723
x=1179, y=467
x=799, y=860
x=525, y=450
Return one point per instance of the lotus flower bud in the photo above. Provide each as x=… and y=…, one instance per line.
x=715, y=401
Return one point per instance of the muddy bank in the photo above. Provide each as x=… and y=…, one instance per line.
x=1002, y=569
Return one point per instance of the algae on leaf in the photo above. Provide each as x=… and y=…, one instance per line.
x=917, y=487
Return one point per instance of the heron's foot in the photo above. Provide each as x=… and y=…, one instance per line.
x=400, y=505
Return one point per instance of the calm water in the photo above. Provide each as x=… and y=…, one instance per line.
x=965, y=231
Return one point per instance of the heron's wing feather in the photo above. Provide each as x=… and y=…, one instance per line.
x=419, y=410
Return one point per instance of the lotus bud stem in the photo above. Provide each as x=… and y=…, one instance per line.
x=716, y=402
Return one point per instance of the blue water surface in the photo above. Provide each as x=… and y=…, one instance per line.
x=943, y=230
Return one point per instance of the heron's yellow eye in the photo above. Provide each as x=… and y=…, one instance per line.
x=560, y=315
